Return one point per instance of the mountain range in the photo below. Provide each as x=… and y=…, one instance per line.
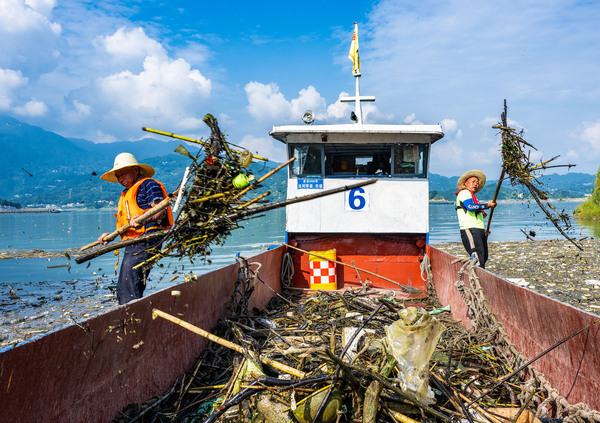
x=39, y=167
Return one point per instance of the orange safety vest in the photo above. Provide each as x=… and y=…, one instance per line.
x=128, y=201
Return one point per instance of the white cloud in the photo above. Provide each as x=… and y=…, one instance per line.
x=591, y=134
x=339, y=110
x=44, y=7
x=29, y=38
x=101, y=137
x=82, y=109
x=18, y=16
x=449, y=125
x=225, y=120
x=572, y=155
x=191, y=123
x=169, y=90
x=32, y=108
x=9, y=80
x=267, y=103
x=412, y=120
x=132, y=45
x=485, y=157
x=446, y=155
x=489, y=121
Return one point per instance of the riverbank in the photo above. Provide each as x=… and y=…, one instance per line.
x=555, y=268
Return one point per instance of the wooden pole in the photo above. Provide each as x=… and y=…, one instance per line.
x=405, y=288
x=140, y=219
x=256, y=210
x=279, y=366
x=495, y=197
x=254, y=200
x=202, y=143
x=504, y=128
x=115, y=246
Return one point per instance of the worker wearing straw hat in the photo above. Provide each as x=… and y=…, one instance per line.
x=470, y=215
x=140, y=194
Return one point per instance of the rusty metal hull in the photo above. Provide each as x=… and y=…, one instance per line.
x=394, y=256
x=89, y=373
x=534, y=323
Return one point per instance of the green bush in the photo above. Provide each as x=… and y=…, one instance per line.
x=591, y=208
x=10, y=204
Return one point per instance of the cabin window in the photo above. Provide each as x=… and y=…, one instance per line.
x=357, y=160
x=410, y=160
x=309, y=162
x=401, y=160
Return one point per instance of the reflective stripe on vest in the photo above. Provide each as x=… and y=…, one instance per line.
x=128, y=200
x=467, y=219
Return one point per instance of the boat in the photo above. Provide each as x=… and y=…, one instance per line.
x=92, y=370
x=47, y=209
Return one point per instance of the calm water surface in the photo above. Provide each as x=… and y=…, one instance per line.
x=73, y=229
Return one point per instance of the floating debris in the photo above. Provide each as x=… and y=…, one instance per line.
x=522, y=172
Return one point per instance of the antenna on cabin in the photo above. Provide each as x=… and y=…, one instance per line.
x=357, y=99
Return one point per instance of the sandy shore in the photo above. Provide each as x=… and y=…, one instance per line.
x=554, y=268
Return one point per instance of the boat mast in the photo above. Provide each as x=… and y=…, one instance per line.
x=357, y=99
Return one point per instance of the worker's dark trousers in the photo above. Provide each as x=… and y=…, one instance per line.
x=132, y=282
x=475, y=242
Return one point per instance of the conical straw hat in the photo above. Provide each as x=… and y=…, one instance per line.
x=124, y=160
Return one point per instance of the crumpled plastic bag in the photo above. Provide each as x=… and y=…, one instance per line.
x=412, y=340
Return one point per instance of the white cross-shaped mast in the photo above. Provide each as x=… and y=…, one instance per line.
x=353, y=55
x=357, y=99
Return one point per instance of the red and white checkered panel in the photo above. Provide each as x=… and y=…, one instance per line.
x=322, y=272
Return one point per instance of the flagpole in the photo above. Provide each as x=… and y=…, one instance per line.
x=357, y=99
x=357, y=102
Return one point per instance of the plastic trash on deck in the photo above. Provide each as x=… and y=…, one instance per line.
x=412, y=340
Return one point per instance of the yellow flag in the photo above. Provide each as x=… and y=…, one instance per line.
x=353, y=54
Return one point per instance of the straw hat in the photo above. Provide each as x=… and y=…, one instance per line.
x=124, y=160
x=477, y=173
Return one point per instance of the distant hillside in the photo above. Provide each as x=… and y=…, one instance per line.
x=151, y=147
x=570, y=185
x=38, y=167
x=41, y=167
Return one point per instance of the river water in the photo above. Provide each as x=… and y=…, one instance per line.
x=53, y=292
x=73, y=229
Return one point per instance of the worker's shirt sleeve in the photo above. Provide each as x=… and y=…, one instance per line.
x=149, y=194
x=471, y=206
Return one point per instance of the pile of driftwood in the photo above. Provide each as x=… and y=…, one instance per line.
x=351, y=356
x=211, y=201
x=522, y=172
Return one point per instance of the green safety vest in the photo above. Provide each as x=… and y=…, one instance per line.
x=467, y=219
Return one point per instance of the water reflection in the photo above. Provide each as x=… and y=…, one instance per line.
x=592, y=225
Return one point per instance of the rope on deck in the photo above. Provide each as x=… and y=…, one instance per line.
x=548, y=400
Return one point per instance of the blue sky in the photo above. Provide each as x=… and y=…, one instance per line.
x=101, y=70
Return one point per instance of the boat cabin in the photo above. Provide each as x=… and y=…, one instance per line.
x=382, y=226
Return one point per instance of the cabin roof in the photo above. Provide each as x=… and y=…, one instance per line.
x=357, y=133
